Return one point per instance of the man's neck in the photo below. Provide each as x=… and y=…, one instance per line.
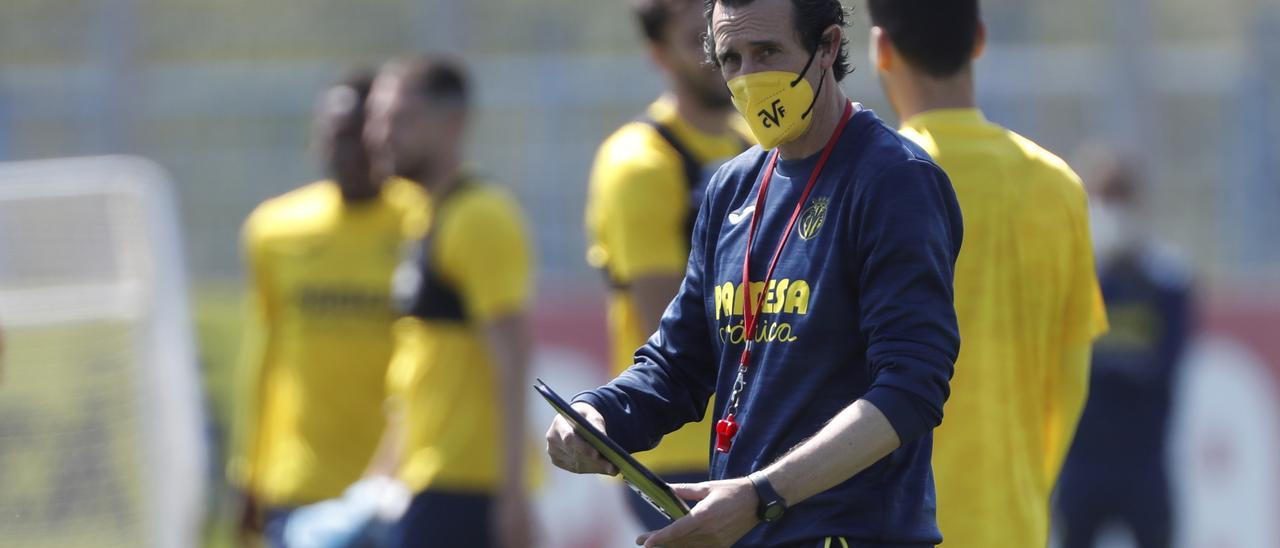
x=827, y=114
x=359, y=197
x=358, y=192
x=920, y=93
x=709, y=120
x=442, y=178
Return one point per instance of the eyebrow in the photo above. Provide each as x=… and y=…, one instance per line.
x=753, y=44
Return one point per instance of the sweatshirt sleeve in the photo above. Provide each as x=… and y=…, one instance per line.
x=907, y=229
x=674, y=373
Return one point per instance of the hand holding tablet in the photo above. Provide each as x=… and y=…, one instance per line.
x=569, y=449
x=614, y=459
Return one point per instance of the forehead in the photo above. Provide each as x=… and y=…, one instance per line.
x=339, y=101
x=384, y=87
x=338, y=107
x=758, y=21
x=686, y=17
x=390, y=90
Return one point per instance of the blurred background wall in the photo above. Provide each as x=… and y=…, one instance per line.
x=219, y=93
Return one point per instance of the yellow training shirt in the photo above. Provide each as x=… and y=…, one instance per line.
x=638, y=211
x=319, y=338
x=1028, y=305
x=473, y=267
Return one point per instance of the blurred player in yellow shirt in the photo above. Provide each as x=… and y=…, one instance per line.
x=646, y=186
x=459, y=374
x=320, y=260
x=1026, y=294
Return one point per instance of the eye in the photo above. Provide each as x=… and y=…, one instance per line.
x=767, y=52
x=729, y=59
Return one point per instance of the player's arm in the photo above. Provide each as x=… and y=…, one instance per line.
x=510, y=344
x=390, y=452
x=1084, y=320
x=668, y=386
x=907, y=231
x=496, y=292
x=485, y=252
x=391, y=446
x=651, y=295
x=256, y=357
x=643, y=209
x=1068, y=391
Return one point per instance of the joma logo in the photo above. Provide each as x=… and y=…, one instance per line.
x=771, y=119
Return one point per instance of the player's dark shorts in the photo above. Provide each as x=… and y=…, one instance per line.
x=439, y=518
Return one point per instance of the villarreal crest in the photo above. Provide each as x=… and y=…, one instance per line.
x=812, y=218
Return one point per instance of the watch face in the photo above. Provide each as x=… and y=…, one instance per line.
x=772, y=512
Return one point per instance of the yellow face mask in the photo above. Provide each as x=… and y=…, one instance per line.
x=776, y=104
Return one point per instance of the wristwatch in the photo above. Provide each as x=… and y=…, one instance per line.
x=772, y=506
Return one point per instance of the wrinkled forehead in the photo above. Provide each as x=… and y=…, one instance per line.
x=736, y=27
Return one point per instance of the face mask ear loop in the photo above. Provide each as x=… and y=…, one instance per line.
x=822, y=79
x=805, y=70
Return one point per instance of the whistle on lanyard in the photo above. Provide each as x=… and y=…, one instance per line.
x=726, y=428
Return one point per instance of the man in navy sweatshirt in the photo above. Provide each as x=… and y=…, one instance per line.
x=831, y=364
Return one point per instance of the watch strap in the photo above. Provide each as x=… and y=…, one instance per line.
x=765, y=491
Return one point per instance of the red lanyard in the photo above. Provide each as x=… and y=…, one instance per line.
x=727, y=427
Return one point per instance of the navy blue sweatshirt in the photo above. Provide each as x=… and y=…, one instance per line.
x=859, y=307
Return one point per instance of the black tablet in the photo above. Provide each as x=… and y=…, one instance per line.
x=648, y=485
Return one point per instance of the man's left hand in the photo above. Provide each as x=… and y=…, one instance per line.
x=725, y=512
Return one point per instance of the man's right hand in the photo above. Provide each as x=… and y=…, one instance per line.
x=570, y=451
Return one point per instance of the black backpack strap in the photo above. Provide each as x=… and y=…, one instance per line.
x=692, y=168
x=692, y=178
x=419, y=289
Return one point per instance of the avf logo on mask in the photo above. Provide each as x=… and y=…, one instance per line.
x=771, y=119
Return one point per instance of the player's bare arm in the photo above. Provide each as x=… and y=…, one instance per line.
x=651, y=294
x=509, y=342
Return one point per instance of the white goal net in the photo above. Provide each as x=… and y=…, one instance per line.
x=101, y=439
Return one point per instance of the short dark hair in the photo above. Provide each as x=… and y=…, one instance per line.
x=812, y=17
x=653, y=16
x=438, y=78
x=935, y=36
